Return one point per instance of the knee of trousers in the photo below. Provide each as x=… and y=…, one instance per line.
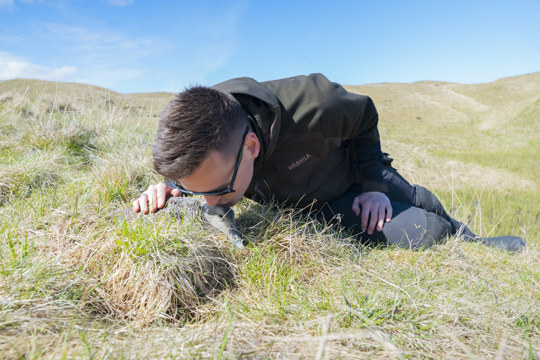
x=426, y=230
x=437, y=230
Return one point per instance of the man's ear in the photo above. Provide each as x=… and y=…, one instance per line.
x=252, y=146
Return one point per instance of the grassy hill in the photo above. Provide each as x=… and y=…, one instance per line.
x=79, y=281
x=493, y=128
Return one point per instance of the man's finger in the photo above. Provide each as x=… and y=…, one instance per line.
x=151, y=198
x=136, y=207
x=364, y=218
x=161, y=195
x=380, y=221
x=373, y=220
x=143, y=202
x=152, y=203
x=389, y=213
x=356, y=205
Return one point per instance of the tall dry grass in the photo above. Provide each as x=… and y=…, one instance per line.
x=78, y=279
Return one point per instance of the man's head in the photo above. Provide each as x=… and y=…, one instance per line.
x=199, y=141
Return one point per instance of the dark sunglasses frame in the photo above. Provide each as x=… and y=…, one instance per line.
x=175, y=185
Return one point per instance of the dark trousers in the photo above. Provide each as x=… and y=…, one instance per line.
x=419, y=219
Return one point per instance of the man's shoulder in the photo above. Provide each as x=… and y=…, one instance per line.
x=289, y=86
x=315, y=89
x=301, y=83
x=248, y=86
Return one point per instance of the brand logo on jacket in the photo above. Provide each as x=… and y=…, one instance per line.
x=298, y=162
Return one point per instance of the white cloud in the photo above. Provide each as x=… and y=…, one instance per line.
x=8, y=3
x=120, y=2
x=17, y=67
x=99, y=44
x=103, y=57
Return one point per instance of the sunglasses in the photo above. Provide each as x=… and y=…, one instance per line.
x=229, y=189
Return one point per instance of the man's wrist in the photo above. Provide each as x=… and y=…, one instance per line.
x=368, y=186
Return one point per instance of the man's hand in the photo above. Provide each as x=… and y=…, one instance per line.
x=375, y=207
x=154, y=198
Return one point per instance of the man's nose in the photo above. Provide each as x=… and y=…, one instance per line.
x=211, y=200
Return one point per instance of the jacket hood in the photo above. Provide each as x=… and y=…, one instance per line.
x=263, y=108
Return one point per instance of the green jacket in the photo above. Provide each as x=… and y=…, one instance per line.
x=317, y=139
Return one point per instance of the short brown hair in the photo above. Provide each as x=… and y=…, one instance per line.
x=198, y=120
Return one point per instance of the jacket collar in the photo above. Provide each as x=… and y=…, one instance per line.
x=251, y=87
x=268, y=121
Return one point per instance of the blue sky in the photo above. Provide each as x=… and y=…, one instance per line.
x=142, y=46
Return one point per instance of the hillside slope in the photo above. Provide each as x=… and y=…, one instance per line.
x=39, y=96
x=480, y=135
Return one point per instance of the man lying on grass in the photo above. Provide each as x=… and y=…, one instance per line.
x=303, y=142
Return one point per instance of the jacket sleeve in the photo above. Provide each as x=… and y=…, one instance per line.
x=365, y=147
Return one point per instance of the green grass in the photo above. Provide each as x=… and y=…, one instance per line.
x=492, y=212
x=78, y=279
